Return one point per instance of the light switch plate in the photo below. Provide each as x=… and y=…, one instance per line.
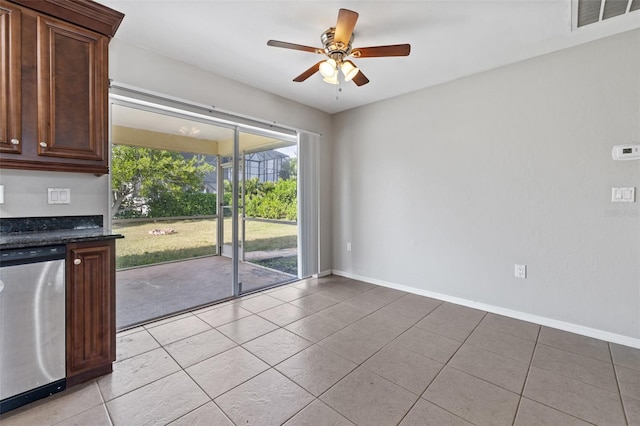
x=520, y=271
x=59, y=196
x=625, y=194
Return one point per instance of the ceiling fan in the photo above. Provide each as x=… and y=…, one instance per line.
x=337, y=42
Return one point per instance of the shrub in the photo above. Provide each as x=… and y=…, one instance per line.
x=272, y=200
x=182, y=204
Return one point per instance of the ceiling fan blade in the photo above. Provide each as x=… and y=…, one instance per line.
x=285, y=45
x=346, y=23
x=308, y=73
x=382, y=51
x=360, y=79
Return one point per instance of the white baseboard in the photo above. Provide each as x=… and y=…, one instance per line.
x=325, y=273
x=549, y=322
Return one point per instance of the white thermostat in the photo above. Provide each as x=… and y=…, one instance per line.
x=626, y=152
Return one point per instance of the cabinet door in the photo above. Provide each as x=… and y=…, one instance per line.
x=90, y=310
x=10, y=96
x=72, y=91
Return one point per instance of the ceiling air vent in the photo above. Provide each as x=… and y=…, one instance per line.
x=592, y=11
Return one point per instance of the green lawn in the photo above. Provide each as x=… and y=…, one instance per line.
x=192, y=238
x=287, y=264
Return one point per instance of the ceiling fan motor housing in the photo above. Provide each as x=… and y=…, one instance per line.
x=333, y=49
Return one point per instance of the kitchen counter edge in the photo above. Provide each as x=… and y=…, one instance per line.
x=38, y=239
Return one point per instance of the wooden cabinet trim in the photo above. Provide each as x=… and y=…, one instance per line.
x=96, y=169
x=84, y=13
x=11, y=72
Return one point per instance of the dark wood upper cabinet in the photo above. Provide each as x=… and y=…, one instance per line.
x=59, y=100
x=72, y=116
x=10, y=99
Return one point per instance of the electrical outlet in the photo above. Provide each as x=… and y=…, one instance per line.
x=521, y=271
x=1, y=194
x=348, y=246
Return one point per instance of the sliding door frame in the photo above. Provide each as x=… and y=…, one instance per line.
x=134, y=98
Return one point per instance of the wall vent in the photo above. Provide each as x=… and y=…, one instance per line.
x=592, y=11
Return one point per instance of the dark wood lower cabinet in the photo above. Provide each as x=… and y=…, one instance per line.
x=90, y=310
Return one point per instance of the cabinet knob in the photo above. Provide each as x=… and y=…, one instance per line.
x=15, y=142
x=43, y=144
x=77, y=261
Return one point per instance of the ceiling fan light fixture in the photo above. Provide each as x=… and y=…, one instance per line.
x=331, y=80
x=337, y=46
x=349, y=70
x=328, y=69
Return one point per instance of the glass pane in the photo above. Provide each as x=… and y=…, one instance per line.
x=164, y=201
x=269, y=231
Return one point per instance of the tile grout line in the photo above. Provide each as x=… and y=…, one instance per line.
x=270, y=367
x=447, y=364
x=322, y=317
x=538, y=402
x=443, y=366
x=576, y=352
x=111, y=420
x=103, y=403
x=161, y=346
x=315, y=398
x=598, y=386
x=526, y=377
x=537, y=343
x=240, y=345
x=549, y=345
x=211, y=399
x=189, y=412
x=500, y=354
x=615, y=373
x=372, y=355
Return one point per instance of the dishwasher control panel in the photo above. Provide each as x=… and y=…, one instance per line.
x=34, y=254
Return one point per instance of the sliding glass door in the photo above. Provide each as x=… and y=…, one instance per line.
x=164, y=187
x=268, y=211
x=209, y=210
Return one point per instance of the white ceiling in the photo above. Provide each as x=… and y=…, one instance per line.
x=449, y=39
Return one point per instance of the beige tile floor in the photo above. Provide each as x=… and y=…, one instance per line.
x=341, y=352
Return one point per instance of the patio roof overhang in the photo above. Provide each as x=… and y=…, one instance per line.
x=173, y=142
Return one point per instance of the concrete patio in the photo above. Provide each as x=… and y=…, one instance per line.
x=150, y=292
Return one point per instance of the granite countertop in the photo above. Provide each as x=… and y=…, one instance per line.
x=44, y=231
x=46, y=238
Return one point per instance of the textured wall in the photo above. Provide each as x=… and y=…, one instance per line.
x=445, y=189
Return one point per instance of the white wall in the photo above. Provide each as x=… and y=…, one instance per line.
x=138, y=67
x=445, y=189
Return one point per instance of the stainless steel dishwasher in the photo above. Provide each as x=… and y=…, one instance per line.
x=32, y=324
